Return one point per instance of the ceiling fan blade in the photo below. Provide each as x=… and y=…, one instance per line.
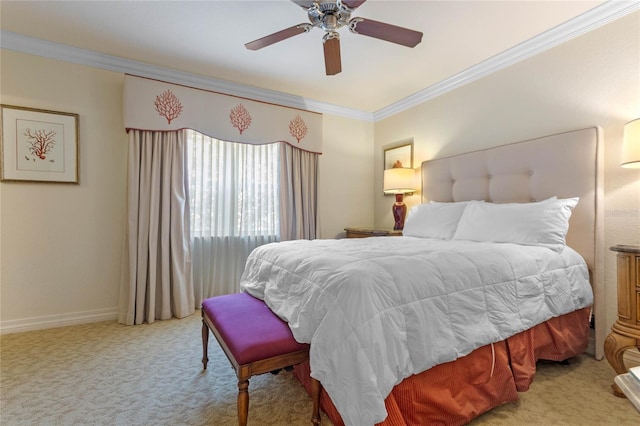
x=352, y=4
x=331, y=44
x=278, y=36
x=383, y=31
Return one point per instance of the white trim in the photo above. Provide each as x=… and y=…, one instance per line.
x=34, y=46
x=599, y=288
x=595, y=18
x=60, y=320
x=588, y=21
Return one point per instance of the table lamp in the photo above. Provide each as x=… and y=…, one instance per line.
x=399, y=181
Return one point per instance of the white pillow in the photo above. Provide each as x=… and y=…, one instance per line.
x=433, y=220
x=446, y=203
x=544, y=223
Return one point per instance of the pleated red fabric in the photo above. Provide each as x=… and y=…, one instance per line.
x=557, y=339
x=456, y=392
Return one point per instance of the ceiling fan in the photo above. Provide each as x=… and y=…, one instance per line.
x=331, y=16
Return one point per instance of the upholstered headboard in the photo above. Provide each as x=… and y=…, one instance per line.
x=565, y=165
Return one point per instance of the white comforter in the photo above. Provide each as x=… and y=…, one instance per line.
x=377, y=310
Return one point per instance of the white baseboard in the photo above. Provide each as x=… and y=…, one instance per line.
x=53, y=321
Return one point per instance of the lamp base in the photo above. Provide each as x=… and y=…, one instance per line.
x=399, y=210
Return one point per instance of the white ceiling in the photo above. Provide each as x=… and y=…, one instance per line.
x=207, y=38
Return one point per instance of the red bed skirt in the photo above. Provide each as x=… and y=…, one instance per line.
x=456, y=392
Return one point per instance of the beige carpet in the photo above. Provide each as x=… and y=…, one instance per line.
x=109, y=374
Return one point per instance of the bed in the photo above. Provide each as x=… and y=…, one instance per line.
x=441, y=325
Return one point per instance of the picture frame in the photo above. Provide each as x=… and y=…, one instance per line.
x=38, y=145
x=399, y=156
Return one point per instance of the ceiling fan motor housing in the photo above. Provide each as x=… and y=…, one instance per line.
x=329, y=15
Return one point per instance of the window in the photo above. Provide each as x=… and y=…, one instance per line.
x=234, y=201
x=233, y=188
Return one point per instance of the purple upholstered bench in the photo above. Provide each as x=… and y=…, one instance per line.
x=255, y=340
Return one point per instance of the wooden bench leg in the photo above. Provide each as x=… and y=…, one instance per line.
x=315, y=396
x=243, y=402
x=205, y=344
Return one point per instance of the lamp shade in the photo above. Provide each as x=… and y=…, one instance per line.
x=399, y=181
x=631, y=145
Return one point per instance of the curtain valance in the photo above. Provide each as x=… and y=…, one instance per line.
x=157, y=105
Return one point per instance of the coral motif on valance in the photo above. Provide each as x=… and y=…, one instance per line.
x=161, y=106
x=240, y=118
x=168, y=105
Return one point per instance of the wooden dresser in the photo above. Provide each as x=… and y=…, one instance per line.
x=625, y=332
x=371, y=232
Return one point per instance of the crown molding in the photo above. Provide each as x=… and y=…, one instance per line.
x=588, y=21
x=34, y=46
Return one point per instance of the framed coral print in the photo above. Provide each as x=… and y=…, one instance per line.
x=38, y=145
x=399, y=156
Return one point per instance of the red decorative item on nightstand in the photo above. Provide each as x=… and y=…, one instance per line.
x=399, y=181
x=399, y=212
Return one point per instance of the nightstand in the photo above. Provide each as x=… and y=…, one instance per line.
x=371, y=232
x=625, y=332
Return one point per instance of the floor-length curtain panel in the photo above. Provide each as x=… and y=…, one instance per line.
x=234, y=201
x=157, y=279
x=298, y=193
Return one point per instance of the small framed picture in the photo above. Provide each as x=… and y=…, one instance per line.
x=399, y=156
x=38, y=145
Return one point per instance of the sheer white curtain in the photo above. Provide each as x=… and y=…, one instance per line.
x=156, y=274
x=234, y=201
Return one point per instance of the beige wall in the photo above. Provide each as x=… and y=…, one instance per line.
x=346, y=176
x=61, y=244
x=591, y=80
